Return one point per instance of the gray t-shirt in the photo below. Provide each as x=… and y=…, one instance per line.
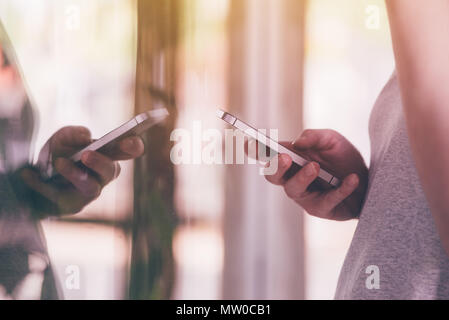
x=396, y=252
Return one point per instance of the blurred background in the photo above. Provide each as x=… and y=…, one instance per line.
x=197, y=231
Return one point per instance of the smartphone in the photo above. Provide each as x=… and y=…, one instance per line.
x=134, y=127
x=298, y=161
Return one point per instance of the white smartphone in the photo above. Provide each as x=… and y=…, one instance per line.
x=275, y=146
x=133, y=127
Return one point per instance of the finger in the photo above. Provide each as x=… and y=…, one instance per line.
x=126, y=149
x=81, y=180
x=334, y=197
x=313, y=139
x=296, y=187
x=284, y=162
x=66, y=201
x=106, y=169
x=69, y=139
x=131, y=147
x=33, y=180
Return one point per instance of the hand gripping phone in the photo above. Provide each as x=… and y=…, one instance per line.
x=300, y=162
x=134, y=127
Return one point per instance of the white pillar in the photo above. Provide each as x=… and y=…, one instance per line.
x=264, y=237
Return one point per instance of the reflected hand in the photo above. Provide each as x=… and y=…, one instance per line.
x=79, y=187
x=336, y=153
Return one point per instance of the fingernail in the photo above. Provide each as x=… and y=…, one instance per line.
x=128, y=145
x=87, y=158
x=283, y=160
x=300, y=139
x=84, y=176
x=310, y=169
x=353, y=181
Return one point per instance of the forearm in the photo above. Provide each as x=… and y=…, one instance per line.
x=420, y=34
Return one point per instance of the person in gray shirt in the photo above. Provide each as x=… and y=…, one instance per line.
x=401, y=244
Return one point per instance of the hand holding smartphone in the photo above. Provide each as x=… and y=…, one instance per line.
x=298, y=161
x=135, y=127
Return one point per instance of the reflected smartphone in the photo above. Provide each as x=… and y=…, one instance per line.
x=298, y=161
x=135, y=127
